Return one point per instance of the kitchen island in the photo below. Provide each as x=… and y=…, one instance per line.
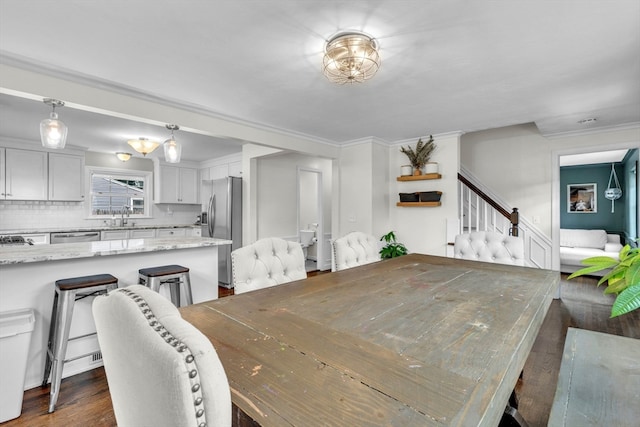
x=28, y=273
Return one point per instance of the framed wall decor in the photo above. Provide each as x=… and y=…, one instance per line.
x=582, y=198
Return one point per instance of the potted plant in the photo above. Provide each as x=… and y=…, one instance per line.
x=623, y=279
x=393, y=248
x=421, y=155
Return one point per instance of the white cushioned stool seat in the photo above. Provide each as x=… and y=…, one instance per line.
x=267, y=262
x=354, y=249
x=489, y=246
x=161, y=370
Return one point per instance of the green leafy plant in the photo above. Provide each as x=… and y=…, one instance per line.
x=422, y=153
x=393, y=248
x=623, y=279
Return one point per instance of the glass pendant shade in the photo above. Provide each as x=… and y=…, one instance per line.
x=143, y=146
x=172, y=150
x=350, y=58
x=53, y=133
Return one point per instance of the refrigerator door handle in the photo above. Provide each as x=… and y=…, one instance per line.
x=212, y=214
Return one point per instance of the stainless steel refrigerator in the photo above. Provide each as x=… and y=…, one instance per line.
x=223, y=220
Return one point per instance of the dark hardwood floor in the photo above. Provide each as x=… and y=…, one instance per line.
x=84, y=399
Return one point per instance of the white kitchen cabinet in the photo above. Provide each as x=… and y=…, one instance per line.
x=25, y=175
x=195, y=232
x=171, y=232
x=235, y=169
x=114, y=234
x=175, y=184
x=66, y=177
x=143, y=233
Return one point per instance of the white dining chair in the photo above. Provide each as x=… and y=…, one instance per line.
x=267, y=262
x=160, y=369
x=489, y=246
x=353, y=249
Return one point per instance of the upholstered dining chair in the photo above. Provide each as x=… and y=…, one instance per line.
x=267, y=262
x=353, y=249
x=160, y=369
x=489, y=246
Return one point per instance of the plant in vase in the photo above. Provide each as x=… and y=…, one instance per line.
x=393, y=248
x=623, y=279
x=421, y=155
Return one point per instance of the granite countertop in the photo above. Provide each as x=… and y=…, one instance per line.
x=95, y=228
x=39, y=253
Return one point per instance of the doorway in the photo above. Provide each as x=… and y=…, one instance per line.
x=310, y=215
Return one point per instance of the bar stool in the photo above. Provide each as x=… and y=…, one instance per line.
x=67, y=292
x=172, y=275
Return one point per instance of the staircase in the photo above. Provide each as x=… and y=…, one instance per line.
x=481, y=210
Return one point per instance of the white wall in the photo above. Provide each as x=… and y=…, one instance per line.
x=356, y=189
x=276, y=193
x=424, y=229
x=516, y=162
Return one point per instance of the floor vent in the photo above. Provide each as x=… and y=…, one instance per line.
x=96, y=357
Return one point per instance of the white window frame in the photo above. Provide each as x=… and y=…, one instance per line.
x=147, y=176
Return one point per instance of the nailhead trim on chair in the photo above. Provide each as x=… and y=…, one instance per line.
x=180, y=348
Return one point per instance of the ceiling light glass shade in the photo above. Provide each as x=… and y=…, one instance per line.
x=53, y=133
x=172, y=150
x=123, y=156
x=143, y=146
x=350, y=58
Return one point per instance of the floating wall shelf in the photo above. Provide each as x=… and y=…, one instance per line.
x=419, y=177
x=418, y=204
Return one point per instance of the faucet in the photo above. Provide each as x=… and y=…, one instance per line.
x=123, y=220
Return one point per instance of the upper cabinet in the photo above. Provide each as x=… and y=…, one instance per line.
x=24, y=175
x=66, y=177
x=173, y=184
x=39, y=175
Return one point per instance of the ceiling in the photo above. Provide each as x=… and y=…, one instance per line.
x=446, y=66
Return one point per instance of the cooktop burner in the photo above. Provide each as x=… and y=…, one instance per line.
x=15, y=240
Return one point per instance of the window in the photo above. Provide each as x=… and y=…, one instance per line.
x=112, y=190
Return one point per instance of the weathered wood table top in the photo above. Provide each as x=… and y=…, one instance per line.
x=412, y=341
x=599, y=381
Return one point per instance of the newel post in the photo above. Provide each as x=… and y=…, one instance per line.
x=515, y=219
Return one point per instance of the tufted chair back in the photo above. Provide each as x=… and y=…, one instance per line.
x=355, y=248
x=489, y=246
x=267, y=262
x=161, y=370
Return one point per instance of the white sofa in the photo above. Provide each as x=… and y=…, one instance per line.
x=578, y=244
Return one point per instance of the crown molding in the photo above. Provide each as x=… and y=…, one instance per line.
x=592, y=131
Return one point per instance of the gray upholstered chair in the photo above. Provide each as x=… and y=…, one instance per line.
x=489, y=246
x=353, y=249
x=267, y=262
x=161, y=370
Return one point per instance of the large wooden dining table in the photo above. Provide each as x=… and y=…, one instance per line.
x=412, y=341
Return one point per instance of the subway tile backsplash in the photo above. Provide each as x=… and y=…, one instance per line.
x=40, y=215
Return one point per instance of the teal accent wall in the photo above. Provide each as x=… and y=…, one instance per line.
x=613, y=223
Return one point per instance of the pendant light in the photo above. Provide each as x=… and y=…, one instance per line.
x=53, y=132
x=613, y=193
x=172, y=150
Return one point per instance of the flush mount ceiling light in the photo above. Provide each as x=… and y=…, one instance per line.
x=143, y=146
x=123, y=157
x=172, y=150
x=350, y=57
x=53, y=132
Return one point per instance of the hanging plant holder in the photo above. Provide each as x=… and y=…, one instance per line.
x=613, y=193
